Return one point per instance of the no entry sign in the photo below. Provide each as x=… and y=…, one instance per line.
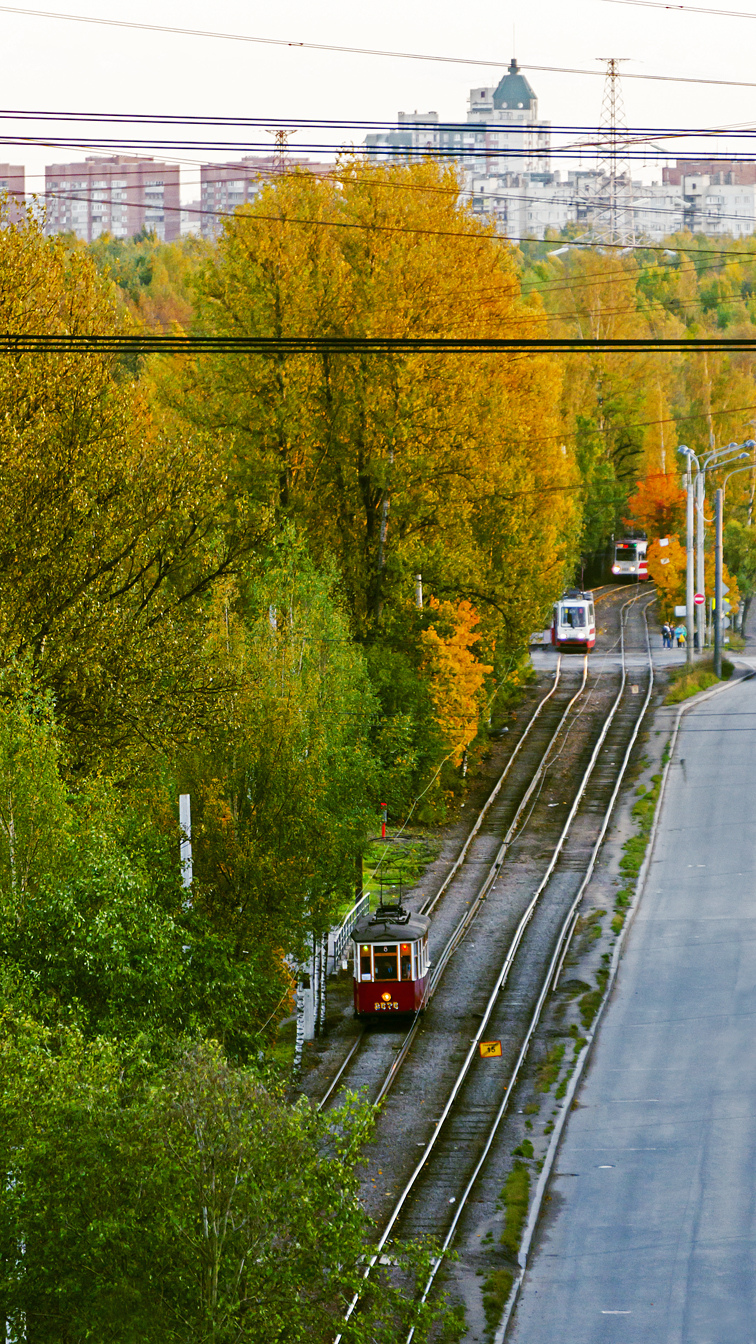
x=699, y=599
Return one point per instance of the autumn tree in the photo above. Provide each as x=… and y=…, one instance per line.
x=113, y=531
x=457, y=675
x=658, y=505
x=448, y=465
x=667, y=568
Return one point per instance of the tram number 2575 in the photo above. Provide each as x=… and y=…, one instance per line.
x=386, y=1007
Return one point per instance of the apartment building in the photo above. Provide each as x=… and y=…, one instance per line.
x=121, y=196
x=226, y=186
x=12, y=184
x=502, y=134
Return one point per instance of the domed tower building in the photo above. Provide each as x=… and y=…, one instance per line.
x=511, y=139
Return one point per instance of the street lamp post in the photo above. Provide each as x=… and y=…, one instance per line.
x=687, y=452
x=711, y=461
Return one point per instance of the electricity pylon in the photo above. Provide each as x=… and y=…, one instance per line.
x=613, y=210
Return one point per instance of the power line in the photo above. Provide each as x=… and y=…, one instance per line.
x=686, y=9
x=360, y=51
x=148, y=343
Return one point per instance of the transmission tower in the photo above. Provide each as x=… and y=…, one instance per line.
x=613, y=212
x=281, y=137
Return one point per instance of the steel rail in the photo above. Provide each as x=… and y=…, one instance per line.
x=425, y=909
x=565, y=938
x=461, y=928
x=493, y=873
x=429, y=905
x=549, y=982
x=500, y=982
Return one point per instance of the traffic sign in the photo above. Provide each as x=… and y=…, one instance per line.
x=490, y=1049
x=699, y=599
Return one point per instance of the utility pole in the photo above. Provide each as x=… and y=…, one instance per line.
x=185, y=847
x=613, y=213
x=700, y=576
x=718, y=595
x=689, y=566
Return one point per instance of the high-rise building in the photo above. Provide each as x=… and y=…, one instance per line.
x=502, y=133
x=121, y=196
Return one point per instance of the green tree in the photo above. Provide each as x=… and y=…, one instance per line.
x=740, y=556
x=181, y=1208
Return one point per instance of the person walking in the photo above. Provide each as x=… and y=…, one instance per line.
x=681, y=635
x=667, y=635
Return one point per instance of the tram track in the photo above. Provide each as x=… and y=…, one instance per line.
x=469, y=1113
x=463, y=921
x=495, y=825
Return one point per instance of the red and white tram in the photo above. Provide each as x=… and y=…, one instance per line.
x=391, y=965
x=630, y=559
x=574, y=622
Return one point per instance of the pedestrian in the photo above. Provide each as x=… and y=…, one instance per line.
x=667, y=635
x=681, y=635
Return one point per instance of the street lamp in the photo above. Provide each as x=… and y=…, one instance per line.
x=690, y=455
x=712, y=461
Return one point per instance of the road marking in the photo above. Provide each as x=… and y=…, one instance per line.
x=615, y=1313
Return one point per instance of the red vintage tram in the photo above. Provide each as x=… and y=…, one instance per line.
x=391, y=966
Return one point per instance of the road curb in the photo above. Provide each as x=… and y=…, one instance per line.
x=561, y=1123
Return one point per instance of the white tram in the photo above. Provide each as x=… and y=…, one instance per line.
x=630, y=559
x=574, y=622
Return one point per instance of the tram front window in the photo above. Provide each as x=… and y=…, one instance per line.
x=406, y=961
x=365, y=969
x=385, y=963
x=574, y=617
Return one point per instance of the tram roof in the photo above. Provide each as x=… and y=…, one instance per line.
x=368, y=930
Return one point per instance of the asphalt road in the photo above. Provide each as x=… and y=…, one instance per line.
x=650, y=1236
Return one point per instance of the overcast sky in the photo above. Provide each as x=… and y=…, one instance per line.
x=57, y=65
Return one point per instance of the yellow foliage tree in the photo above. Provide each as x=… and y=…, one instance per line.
x=457, y=676
x=666, y=566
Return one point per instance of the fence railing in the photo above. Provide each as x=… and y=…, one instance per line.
x=338, y=939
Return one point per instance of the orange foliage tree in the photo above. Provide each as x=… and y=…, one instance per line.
x=457, y=676
x=658, y=505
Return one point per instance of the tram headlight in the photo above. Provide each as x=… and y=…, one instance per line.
x=615, y=569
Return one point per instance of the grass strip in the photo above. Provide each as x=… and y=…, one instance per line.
x=515, y=1196
x=685, y=682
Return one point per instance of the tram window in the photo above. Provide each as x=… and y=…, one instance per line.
x=385, y=963
x=574, y=617
x=365, y=970
x=406, y=961
x=626, y=552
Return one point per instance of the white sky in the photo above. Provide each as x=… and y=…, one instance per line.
x=51, y=64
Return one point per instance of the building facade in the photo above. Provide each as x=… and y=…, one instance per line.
x=226, y=186
x=502, y=133
x=13, y=185
x=121, y=196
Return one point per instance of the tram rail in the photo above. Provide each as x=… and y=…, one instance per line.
x=463, y=923
x=454, y=1173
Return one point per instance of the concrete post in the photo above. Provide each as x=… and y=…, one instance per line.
x=185, y=822
x=689, y=568
x=700, y=577
x=718, y=595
